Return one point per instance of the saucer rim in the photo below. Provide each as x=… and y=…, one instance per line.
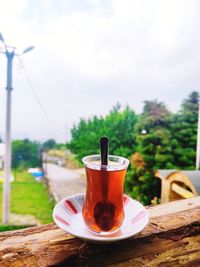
x=98, y=238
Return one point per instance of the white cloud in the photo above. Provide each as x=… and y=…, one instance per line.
x=98, y=52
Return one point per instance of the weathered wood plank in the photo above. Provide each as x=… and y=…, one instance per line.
x=172, y=238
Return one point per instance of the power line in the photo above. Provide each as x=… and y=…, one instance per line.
x=35, y=94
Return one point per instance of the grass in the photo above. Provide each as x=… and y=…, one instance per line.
x=29, y=197
x=11, y=227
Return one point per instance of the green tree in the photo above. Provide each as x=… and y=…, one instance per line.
x=85, y=137
x=25, y=154
x=162, y=139
x=118, y=126
x=153, y=143
x=49, y=144
x=184, y=133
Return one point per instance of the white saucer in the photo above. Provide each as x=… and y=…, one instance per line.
x=67, y=214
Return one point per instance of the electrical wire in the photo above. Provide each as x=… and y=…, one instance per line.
x=35, y=93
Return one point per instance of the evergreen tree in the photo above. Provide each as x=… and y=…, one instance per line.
x=184, y=133
x=154, y=146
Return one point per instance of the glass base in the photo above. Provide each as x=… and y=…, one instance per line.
x=102, y=232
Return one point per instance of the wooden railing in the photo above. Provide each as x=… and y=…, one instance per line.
x=172, y=238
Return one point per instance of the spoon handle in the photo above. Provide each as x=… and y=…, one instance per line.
x=104, y=150
x=104, y=143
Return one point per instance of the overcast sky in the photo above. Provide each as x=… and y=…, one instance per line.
x=90, y=54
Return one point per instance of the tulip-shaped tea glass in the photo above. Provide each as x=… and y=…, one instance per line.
x=103, y=211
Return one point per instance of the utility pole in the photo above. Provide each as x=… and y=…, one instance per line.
x=198, y=142
x=7, y=161
x=9, y=51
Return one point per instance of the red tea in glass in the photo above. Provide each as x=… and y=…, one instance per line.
x=103, y=211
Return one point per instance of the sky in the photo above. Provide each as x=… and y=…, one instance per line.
x=91, y=54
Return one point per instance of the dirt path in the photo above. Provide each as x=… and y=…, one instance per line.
x=65, y=182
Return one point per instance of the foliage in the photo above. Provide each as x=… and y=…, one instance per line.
x=184, y=133
x=155, y=151
x=65, y=156
x=136, y=184
x=4, y=227
x=49, y=144
x=119, y=128
x=154, y=145
x=85, y=137
x=25, y=154
x=56, y=153
x=30, y=197
x=118, y=125
x=71, y=161
x=162, y=139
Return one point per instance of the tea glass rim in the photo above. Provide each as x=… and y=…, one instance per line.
x=121, y=164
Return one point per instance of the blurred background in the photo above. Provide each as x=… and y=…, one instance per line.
x=125, y=69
